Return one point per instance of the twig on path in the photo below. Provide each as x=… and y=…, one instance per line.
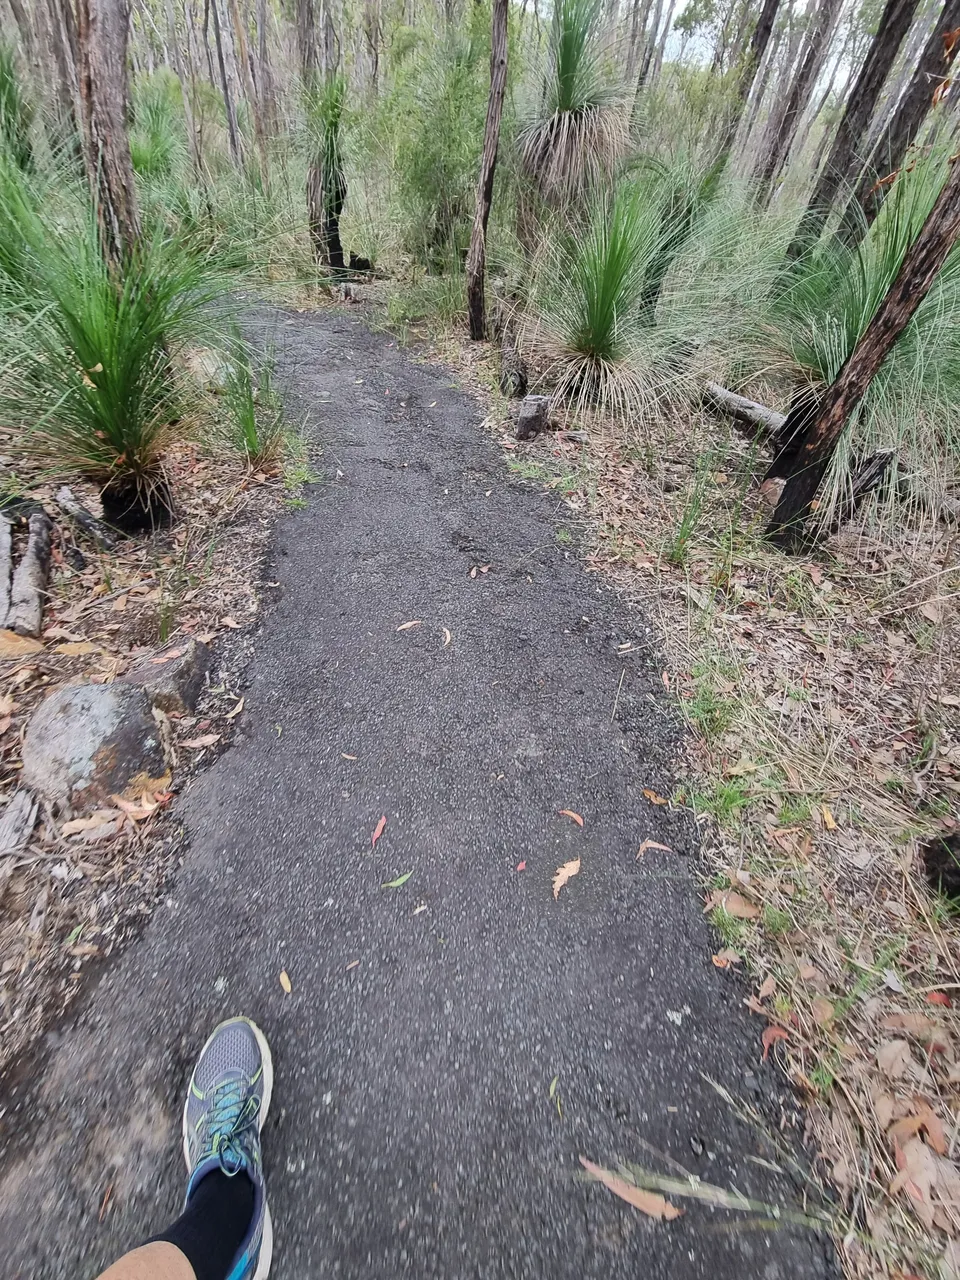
x=616, y=701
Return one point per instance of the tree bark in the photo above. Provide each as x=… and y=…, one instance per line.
x=243, y=56
x=822, y=29
x=748, y=74
x=894, y=25
x=102, y=30
x=233, y=130
x=914, y=279
x=268, y=92
x=904, y=125
x=476, y=256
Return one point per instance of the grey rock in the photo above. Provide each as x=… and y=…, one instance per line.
x=174, y=686
x=87, y=741
x=534, y=417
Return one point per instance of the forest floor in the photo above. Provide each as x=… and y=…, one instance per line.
x=443, y=710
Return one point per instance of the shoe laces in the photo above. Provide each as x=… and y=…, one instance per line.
x=233, y=1111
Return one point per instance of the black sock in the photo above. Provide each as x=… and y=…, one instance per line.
x=212, y=1226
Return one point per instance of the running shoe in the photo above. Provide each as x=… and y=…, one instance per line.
x=226, y=1106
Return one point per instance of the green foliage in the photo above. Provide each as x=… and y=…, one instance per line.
x=157, y=140
x=824, y=310
x=438, y=145
x=89, y=388
x=580, y=132
x=16, y=112
x=255, y=414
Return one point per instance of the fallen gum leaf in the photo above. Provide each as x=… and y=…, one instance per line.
x=563, y=874
x=395, y=884
x=378, y=831
x=568, y=813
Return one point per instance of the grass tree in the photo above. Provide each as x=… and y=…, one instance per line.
x=810, y=457
x=326, y=184
x=582, y=131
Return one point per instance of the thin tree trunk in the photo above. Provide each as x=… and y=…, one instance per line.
x=913, y=281
x=476, y=256
x=894, y=25
x=240, y=41
x=102, y=27
x=819, y=37
x=181, y=75
x=233, y=130
x=268, y=92
x=748, y=74
x=649, y=45
x=924, y=89
x=664, y=37
x=63, y=40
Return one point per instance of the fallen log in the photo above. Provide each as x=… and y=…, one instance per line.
x=29, y=591
x=6, y=562
x=104, y=537
x=744, y=410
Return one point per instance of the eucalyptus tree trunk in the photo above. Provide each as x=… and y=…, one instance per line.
x=894, y=24
x=649, y=44
x=759, y=41
x=102, y=28
x=664, y=37
x=63, y=44
x=267, y=88
x=476, y=256
x=824, y=21
x=233, y=130
x=189, y=122
x=250, y=88
x=925, y=88
x=808, y=459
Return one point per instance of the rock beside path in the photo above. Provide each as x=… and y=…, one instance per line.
x=174, y=685
x=87, y=742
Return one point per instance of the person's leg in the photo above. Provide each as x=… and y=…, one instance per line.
x=224, y=1232
x=151, y=1262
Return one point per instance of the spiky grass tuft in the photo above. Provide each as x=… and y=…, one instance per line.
x=819, y=317
x=583, y=131
x=89, y=388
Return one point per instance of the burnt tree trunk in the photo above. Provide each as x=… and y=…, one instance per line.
x=102, y=28
x=894, y=25
x=924, y=89
x=824, y=21
x=476, y=256
x=811, y=458
x=759, y=41
x=325, y=201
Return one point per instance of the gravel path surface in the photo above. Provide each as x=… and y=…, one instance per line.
x=413, y=1131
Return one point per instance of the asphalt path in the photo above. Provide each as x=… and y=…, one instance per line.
x=453, y=1044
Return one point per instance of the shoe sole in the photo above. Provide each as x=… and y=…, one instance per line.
x=266, y=1057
